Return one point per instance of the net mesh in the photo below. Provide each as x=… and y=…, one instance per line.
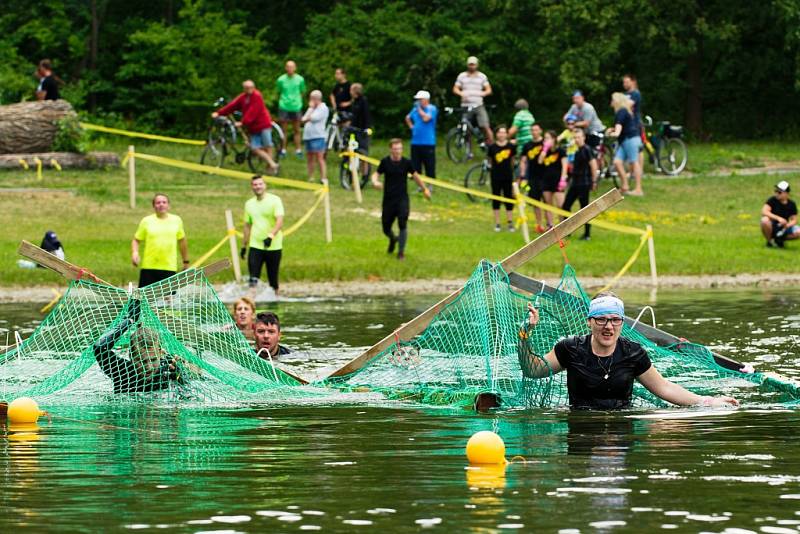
x=175, y=341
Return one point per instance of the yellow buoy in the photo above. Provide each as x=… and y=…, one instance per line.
x=486, y=447
x=23, y=410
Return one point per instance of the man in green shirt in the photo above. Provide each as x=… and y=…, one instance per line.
x=161, y=234
x=521, y=126
x=263, y=220
x=291, y=88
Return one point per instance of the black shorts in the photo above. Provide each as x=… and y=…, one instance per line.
x=284, y=115
x=151, y=276
x=536, y=185
x=550, y=183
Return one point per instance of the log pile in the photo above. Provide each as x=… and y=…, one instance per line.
x=30, y=127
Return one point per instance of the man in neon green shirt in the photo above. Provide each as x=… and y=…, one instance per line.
x=161, y=234
x=263, y=220
x=291, y=88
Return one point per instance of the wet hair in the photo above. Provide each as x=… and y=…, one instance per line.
x=143, y=338
x=395, y=141
x=246, y=300
x=521, y=104
x=153, y=202
x=268, y=318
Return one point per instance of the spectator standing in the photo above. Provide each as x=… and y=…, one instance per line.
x=314, y=121
x=553, y=163
x=48, y=84
x=361, y=120
x=263, y=220
x=422, y=122
x=521, y=125
x=585, y=115
x=501, y=158
x=567, y=137
x=531, y=171
x=291, y=88
x=582, y=177
x=161, y=233
x=626, y=130
x=396, y=204
x=340, y=97
x=255, y=119
x=779, y=217
x=472, y=86
x=631, y=86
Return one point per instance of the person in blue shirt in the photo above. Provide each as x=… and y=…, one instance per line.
x=422, y=122
x=631, y=86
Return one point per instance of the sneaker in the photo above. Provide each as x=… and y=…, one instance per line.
x=392, y=244
x=586, y=238
x=770, y=243
x=298, y=153
x=496, y=227
x=540, y=229
x=282, y=153
x=511, y=227
x=401, y=256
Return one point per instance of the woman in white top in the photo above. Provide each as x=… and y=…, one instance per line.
x=314, y=121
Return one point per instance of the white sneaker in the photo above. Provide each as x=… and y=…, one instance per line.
x=496, y=227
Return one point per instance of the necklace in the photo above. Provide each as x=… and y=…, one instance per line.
x=610, y=364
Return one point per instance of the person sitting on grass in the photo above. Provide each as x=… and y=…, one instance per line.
x=148, y=366
x=244, y=311
x=267, y=330
x=501, y=159
x=601, y=366
x=779, y=217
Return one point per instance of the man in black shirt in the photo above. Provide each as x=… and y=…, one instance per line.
x=395, y=170
x=601, y=366
x=48, y=86
x=583, y=177
x=779, y=217
x=267, y=330
x=340, y=96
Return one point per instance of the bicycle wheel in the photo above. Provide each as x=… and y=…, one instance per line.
x=672, y=155
x=213, y=154
x=477, y=177
x=608, y=165
x=260, y=166
x=333, y=140
x=278, y=137
x=459, y=146
x=346, y=179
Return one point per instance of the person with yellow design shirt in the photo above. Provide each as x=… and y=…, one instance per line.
x=501, y=157
x=531, y=171
x=161, y=233
x=567, y=138
x=553, y=162
x=263, y=220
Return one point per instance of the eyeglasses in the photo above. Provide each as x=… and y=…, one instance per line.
x=602, y=321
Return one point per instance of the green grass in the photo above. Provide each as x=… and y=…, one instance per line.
x=703, y=225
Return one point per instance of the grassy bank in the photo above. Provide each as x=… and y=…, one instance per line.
x=705, y=224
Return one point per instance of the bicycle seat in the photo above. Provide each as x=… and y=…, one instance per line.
x=345, y=116
x=449, y=110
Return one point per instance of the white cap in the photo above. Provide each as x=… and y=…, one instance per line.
x=472, y=60
x=422, y=94
x=783, y=185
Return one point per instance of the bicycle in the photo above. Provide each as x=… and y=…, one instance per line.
x=479, y=176
x=461, y=137
x=364, y=169
x=334, y=140
x=224, y=137
x=604, y=154
x=665, y=147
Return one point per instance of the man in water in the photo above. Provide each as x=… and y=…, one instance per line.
x=267, y=330
x=779, y=217
x=148, y=367
x=601, y=366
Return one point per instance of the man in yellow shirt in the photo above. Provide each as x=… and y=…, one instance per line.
x=161, y=234
x=263, y=220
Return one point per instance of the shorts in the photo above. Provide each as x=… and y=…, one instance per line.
x=536, y=188
x=550, y=183
x=315, y=145
x=363, y=142
x=152, y=276
x=791, y=230
x=289, y=115
x=628, y=150
x=481, y=116
x=261, y=140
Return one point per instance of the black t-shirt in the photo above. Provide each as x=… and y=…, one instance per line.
x=502, y=159
x=341, y=93
x=782, y=210
x=395, y=175
x=585, y=383
x=49, y=85
x=360, y=110
x=531, y=150
x=551, y=166
x=581, y=167
x=630, y=127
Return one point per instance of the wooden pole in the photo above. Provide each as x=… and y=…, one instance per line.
x=523, y=218
x=237, y=268
x=132, y=176
x=526, y=253
x=355, y=163
x=327, y=207
x=64, y=268
x=651, y=249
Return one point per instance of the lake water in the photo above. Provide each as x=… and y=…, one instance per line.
x=351, y=468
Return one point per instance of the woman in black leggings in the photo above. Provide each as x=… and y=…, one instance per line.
x=501, y=158
x=583, y=178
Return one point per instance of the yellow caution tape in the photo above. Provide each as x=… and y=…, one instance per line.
x=56, y=297
x=116, y=131
x=202, y=259
x=54, y=163
x=297, y=184
x=38, y=168
x=630, y=262
x=231, y=232
x=24, y=164
x=300, y=222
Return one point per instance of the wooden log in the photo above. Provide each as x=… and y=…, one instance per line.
x=66, y=160
x=31, y=126
x=526, y=253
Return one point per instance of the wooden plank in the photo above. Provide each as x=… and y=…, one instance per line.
x=216, y=267
x=64, y=268
x=526, y=253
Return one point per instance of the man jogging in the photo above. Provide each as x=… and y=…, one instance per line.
x=395, y=169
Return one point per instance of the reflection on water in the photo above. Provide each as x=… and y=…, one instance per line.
x=348, y=468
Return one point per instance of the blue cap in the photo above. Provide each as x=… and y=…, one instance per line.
x=577, y=92
x=572, y=118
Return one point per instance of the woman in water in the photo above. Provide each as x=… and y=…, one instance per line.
x=244, y=312
x=600, y=366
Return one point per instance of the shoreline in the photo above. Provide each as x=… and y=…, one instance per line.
x=366, y=288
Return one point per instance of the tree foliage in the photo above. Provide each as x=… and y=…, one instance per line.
x=727, y=68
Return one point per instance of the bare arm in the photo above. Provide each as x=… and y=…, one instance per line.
x=375, y=182
x=277, y=227
x=564, y=167
x=523, y=166
x=40, y=95
x=766, y=211
x=426, y=117
x=457, y=91
x=676, y=394
x=184, y=246
x=246, y=234
x=616, y=130
x=487, y=90
x=533, y=365
x=425, y=191
x=595, y=171
x=135, y=252
x=333, y=101
x=409, y=122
